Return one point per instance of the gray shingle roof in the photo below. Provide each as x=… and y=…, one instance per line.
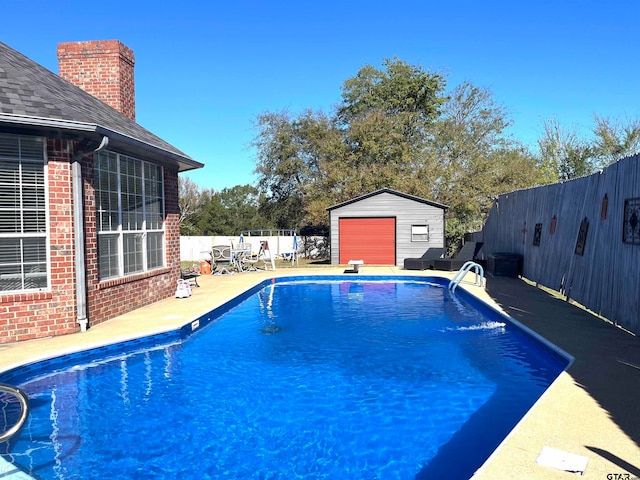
x=392, y=192
x=32, y=95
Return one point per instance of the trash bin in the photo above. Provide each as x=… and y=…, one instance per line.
x=504, y=264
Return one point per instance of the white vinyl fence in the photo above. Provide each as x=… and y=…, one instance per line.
x=199, y=248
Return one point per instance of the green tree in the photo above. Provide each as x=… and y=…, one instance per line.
x=374, y=139
x=387, y=117
x=189, y=201
x=241, y=205
x=395, y=128
x=293, y=153
x=564, y=152
x=568, y=155
x=398, y=89
x=212, y=218
x=477, y=161
x=228, y=212
x=614, y=140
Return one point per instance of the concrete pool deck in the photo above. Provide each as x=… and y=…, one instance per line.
x=592, y=410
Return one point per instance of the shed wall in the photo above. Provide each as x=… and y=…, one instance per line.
x=407, y=213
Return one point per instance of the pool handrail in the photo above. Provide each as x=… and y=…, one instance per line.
x=24, y=410
x=479, y=271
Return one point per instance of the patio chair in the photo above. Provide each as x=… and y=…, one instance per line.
x=243, y=258
x=425, y=261
x=266, y=255
x=221, y=260
x=469, y=251
x=293, y=255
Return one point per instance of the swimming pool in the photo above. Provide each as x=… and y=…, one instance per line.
x=301, y=378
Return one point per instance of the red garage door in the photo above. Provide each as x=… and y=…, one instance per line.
x=370, y=239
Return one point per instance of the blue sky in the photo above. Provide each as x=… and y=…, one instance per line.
x=206, y=69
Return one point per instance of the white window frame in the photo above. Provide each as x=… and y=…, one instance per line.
x=419, y=233
x=25, y=275
x=127, y=225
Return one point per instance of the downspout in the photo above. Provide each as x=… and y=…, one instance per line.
x=79, y=232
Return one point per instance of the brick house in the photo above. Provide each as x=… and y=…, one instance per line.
x=88, y=198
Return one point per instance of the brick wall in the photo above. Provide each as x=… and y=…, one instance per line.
x=111, y=298
x=172, y=218
x=34, y=315
x=102, y=68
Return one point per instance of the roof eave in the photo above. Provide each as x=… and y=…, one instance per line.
x=117, y=140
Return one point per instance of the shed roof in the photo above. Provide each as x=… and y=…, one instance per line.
x=393, y=192
x=34, y=100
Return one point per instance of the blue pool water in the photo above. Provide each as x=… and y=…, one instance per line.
x=309, y=379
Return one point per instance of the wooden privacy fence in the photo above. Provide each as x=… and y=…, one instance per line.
x=581, y=237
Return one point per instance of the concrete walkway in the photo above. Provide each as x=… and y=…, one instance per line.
x=593, y=410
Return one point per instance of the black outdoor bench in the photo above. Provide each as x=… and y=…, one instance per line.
x=190, y=274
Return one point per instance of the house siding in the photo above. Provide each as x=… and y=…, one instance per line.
x=407, y=212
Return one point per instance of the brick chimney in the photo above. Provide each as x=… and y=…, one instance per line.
x=102, y=68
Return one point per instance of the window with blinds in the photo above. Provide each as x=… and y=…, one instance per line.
x=23, y=214
x=130, y=214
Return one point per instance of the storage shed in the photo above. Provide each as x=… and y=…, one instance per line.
x=385, y=227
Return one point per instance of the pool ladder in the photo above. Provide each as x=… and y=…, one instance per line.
x=24, y=409
x=479, y=271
